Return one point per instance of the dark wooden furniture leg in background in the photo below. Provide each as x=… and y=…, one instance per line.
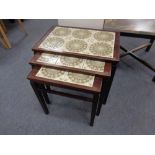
x=132, y=51
x=149, y=47
x=39, y=96
x=146, y=64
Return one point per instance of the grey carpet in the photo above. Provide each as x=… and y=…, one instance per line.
x=130, y=107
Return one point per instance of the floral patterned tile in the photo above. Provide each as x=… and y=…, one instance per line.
x=64, y=76
x=94, y=65
x=72, y=62
x=83, y=41
x=48, y=58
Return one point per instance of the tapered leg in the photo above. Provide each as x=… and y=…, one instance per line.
x=109, y=81
x=149, y=47
x=46, y=98
x=39, y=96
x=94, y=107
x=103, y=95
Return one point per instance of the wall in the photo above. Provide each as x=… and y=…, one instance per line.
x=85, y=23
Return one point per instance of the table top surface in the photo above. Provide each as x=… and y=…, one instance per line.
x=139, y=26
x=88, y=43
x=65, y=79
x=73, y=64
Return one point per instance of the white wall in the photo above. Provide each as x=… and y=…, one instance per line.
x=85, y=23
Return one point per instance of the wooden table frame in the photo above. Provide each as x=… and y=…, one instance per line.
x=42, y=86
x=106, y=79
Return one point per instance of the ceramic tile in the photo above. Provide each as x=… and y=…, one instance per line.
x=64, y=76
x=99, y=47
x=72, y=62
x=94, y=65
x=83, y=41
x=48, y=58
x=81, y=34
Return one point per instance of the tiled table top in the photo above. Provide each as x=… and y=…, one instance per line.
x=81, y=41
x=72, y=62
x=65, y=76
x=75, y=81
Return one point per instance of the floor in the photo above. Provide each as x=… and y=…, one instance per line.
x=130, y=107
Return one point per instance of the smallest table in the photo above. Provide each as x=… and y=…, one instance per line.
x=41, y=77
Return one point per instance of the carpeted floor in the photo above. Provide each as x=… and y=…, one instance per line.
x=130, y=107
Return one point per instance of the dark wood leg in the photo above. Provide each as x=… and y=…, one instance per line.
x=39, y=96
x=109, y=81
x=44, y=93
x=104, y=94
x=94, y=107
x=149, y=47
x=153, y=79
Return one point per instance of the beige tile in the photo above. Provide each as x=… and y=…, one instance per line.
x=64, y=76
x=94, y=65
x=80, y=41
x=48, y=58
x=70, y=62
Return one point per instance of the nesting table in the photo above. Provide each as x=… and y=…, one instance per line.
x=78, y=59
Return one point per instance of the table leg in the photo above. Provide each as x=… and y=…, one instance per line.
x=149, y=47
x=4, y=37
x=44, y=93
x=94, y=107
x=107, y=82
x=39, y=96
x=104, y=94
